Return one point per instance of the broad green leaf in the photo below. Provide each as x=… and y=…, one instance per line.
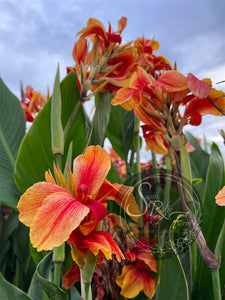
x=12, y=130
x=199, y=164
x=44, y=273
x=25, y=264
x=101, y=118
x=212, y=220
x=35, y=290
x=11, y=292
x=35, y=154
x=120, y=130
x=173, y=284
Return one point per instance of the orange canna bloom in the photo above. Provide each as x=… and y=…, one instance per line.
x=33, y=103
x=54, y=209
x=154, y=139
x=95, y=29
x=145, y=58
x=107, y=65
x=137, y=276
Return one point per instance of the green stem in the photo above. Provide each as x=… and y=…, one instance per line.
x=215, y=273
x=58, y=259
x=138, y=169
x=186, y=169
x=168, y=181
x=156, y=173
x=70, y=121
x=86, y=274
x=216, y=284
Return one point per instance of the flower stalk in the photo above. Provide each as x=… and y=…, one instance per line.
x=138, y=169
x=86, y=274
x=58, y=259
x=205, y=252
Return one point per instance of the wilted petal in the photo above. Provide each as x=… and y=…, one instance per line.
x=90, y=169
x=58, y=216
x=32, y=199
x=220, y=197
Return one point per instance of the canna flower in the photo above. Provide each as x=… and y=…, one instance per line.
x=134, y=96
x=137, y=275
x=54, y=209
x=32, y=103
x=154, y=139
x=106, y=64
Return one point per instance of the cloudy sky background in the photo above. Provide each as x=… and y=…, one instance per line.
x=37, y=35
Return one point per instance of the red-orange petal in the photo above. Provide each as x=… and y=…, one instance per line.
x=148, y=283
x=147, y=256
x=32, y=199
x=220, y=197
x=130, y=281
x=123, y=195
x=102, y=241
x=71, y=276
x=58, y=216
x=91, y=168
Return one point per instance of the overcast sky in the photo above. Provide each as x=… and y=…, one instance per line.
x=36, y=35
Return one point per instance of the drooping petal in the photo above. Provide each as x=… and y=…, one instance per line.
x=130, y=281
x=204, y=106
x=32, y=199
x=91, y=168
x=198, y=87
x=58, y=216
x=71, y=276
x=102, y=241
x=148, y=283
x=121, y=194
x=220, y=197
x=123, y=97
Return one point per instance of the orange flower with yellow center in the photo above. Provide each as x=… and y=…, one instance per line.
x=136, y=276
x=53, y=210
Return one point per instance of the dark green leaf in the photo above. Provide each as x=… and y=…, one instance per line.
x=212, y=220
x=11, y=292
x=172, y=281
x=101, y=118
x=44, y=272
x=12, y=130
x=35, y=154
x=120, y=130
